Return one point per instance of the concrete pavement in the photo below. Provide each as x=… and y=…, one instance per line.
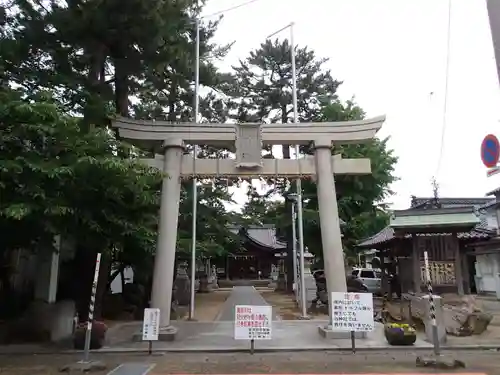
x=240, y=295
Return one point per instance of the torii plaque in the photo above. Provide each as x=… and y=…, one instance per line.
x=248, y=140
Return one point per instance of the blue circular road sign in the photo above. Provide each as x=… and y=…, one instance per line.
x=490, y=151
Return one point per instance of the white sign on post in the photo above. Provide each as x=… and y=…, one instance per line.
x=151, y=325
x=352, y=312
x=252, y=322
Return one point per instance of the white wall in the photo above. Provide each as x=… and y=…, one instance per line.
x=116, y=284
x=485, y=272
x=491, y=219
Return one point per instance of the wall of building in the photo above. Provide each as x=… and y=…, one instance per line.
x=491, y=218
x=486, y=270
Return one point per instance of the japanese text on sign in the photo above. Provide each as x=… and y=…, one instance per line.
x=151, y=325
x=252, y=322
x=352, y=311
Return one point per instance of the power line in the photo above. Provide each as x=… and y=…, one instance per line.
x=445, y=101
x=229, y=9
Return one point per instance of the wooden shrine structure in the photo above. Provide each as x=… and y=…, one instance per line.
x=445, y=228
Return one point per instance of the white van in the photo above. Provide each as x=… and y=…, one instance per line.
x=370, y=277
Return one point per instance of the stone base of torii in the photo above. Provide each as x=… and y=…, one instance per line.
x=247, y=140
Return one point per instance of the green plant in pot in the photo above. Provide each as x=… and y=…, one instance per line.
x=97, y=337
x=400, y=334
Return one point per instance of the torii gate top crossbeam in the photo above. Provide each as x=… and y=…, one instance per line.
x=340, y=132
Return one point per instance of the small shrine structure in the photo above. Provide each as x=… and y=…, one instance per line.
x=445, y=228
x=258, y=254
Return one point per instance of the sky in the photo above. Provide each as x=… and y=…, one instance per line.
x=392, y=57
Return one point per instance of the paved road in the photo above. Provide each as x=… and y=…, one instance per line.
x=382, y=362
x=240, y=295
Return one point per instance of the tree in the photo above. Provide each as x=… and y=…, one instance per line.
x=360, y=198
x=93, y=55
x=90, y=57
x=263, y=87
x=59, y=179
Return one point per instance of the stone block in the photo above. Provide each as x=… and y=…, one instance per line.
x=167, y=334
x=310, y=285
x=328, y=333
x=62, y=321
x=182, y=286
x=91, y=366
x=441, y=362
x=440, y=320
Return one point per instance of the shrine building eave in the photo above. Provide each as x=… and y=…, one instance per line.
x=149, y=134
x=450, y=219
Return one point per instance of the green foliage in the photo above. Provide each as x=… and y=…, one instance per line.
x=88, y=57
x=264, y=80
x=213, y=219
x=76, y=63
x=59, y=179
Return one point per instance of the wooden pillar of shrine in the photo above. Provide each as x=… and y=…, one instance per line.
x=415, y=258
x=459, y=278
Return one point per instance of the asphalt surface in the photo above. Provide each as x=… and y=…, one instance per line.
x=383, y=362
x=240, y=295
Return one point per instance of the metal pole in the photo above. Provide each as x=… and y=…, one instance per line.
x=494, y=17
x=294, y=236
x=195, y=189
x=432, y=307
x=88, y=334
x=299, y=182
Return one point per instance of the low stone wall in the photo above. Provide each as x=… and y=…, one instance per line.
x=461, y=315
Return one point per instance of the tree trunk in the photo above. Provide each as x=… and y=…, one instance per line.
x=172, y=100
x=92, y=111
x=83, y=266
x=121, y=87
x=122, y=277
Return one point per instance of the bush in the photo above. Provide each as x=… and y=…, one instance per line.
x=400, y=334
x=97, y=337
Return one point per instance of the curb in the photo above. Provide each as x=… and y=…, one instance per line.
x=110, y=351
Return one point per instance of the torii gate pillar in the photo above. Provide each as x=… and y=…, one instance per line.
x=161, y=294
x=331, y=238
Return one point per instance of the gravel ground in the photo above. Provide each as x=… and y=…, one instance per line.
x=383, y=362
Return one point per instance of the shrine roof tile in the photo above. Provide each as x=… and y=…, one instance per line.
x=493, y=192
x=418, y=202
x=264, y=235
x=480, y=231
x=387, y=234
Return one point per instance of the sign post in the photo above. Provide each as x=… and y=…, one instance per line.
x=88, y=333
x=151, y=327
x=253, y=323
x=490, y=154
x=352, y=312
x=432, y=306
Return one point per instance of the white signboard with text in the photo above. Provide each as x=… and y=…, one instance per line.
x=252, y=322
x=352, y=312
x=151, y=325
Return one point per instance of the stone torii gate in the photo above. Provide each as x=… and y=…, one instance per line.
x=247, y=140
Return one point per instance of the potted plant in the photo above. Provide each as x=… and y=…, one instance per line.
x=400, y=334
x=97, y=336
